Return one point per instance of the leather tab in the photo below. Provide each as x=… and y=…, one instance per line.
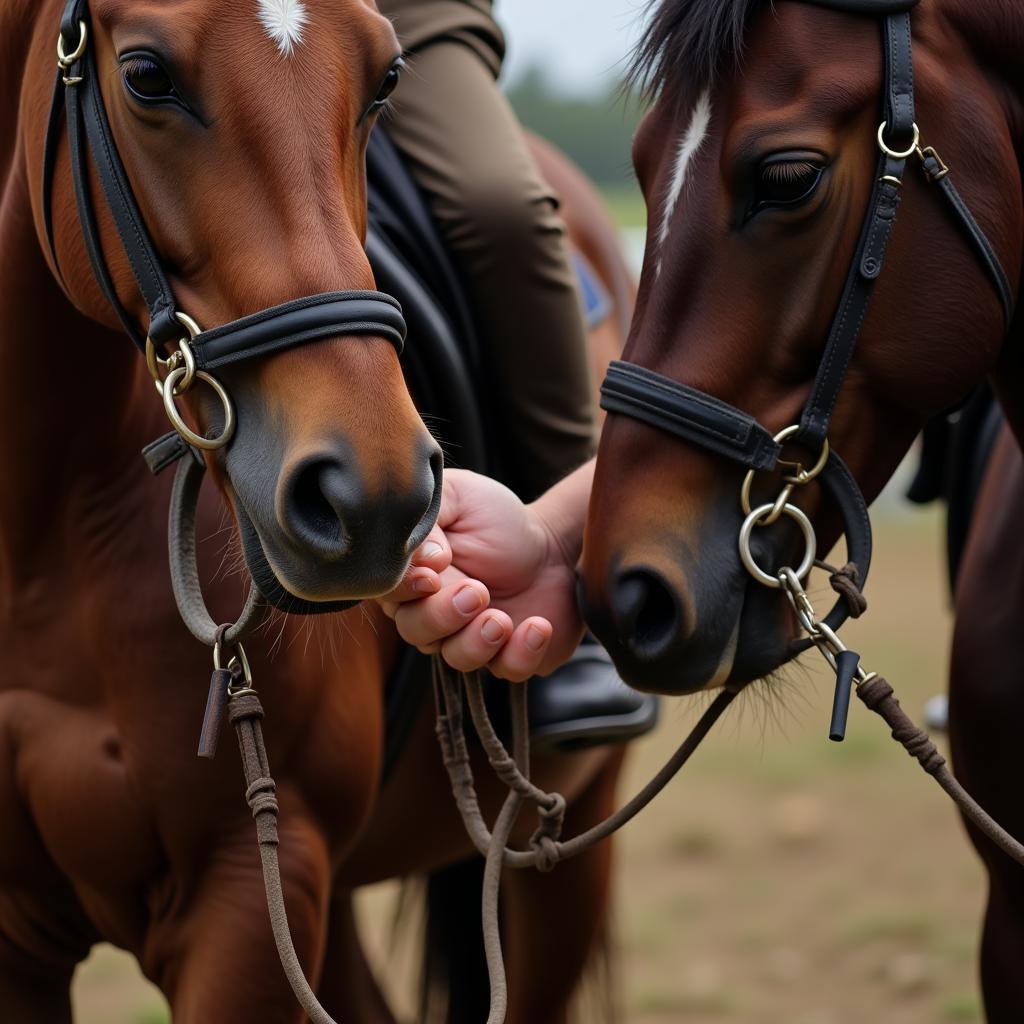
x=887, y=201
x=213, y=718
x=165, y=451
x=846, y=668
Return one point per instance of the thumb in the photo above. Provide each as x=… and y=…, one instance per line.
x=435, y=552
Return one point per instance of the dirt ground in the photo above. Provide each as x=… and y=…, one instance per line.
x=785, y=879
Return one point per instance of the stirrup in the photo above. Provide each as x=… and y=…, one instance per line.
x=584, y=703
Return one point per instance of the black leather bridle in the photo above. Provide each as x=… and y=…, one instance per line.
x=702, y=419
x=309, y=318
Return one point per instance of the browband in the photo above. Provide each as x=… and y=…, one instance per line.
x=77, y=93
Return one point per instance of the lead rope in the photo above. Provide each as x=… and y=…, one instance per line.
x=232, y=690
x=546, y=847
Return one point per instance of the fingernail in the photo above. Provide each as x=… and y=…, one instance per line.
x=492, y=631
x=430, y=549
x=535, y=638
x=467, y=600
x=426, y=585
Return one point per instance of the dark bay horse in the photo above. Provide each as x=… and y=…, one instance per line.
x=242, y=128
x=757, y=173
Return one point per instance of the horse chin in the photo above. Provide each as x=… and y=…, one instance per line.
x=272, y=582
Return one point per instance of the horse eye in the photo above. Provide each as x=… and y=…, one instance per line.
x=786, y=182
x=388, y=86
x=147, y=80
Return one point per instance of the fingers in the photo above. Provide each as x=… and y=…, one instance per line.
x=475, y=645
x=421, y=579
x=522, y=654
x=423, y=623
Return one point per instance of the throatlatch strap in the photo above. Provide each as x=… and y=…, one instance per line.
x=688, y=414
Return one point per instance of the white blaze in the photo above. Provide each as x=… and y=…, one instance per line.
x=283, y=21
x=689, y=143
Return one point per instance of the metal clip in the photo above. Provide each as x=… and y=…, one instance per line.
x=928, y=156
x=65, y=60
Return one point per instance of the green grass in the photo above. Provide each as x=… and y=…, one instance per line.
x=626, y=205
x=963, y=1006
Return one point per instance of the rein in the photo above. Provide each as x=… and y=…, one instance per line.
x=629, y=389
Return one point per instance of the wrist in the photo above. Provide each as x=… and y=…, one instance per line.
x=559, y=514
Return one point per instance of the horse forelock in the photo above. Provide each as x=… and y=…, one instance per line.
x=688, y=42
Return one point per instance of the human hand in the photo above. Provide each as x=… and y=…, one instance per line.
x=494, y=584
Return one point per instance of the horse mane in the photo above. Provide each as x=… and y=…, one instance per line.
x=687, y=43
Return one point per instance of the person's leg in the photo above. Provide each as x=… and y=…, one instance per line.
x=500, y=220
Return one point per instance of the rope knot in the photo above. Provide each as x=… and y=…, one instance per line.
x=242, y=708
x=846, y=583
x=875, y=692
x=544, y=842
x=260, y=796
x=918, y=744
x=546, y=854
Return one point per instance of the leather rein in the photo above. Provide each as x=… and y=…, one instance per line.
x=703, y=419
x=190, y=354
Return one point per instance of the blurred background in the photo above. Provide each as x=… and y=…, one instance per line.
x=782, y=879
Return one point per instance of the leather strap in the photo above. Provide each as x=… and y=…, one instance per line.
x=88, y=130
x=939, y=175
x=688, y=414
x=300, y=321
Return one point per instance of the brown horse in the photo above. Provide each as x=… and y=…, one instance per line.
x=247, y=159
x=757, y=174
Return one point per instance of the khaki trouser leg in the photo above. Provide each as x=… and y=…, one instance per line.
x=500, y=221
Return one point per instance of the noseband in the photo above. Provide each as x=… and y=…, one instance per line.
x=193, y=352
x=704, y=420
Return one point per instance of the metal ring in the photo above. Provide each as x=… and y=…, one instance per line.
x=804, y=476
x=206, y=443
x=747, y=558
x=66, y=60
x=896, y=155
x=155, y=362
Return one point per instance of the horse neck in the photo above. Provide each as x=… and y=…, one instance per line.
x=73, y=403
x=994, y=32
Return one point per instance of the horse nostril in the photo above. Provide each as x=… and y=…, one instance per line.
x=320, y=500
x=647, y=612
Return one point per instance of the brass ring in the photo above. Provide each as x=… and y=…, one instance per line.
x=206, y=443
x=804, y=476
x=892, y=152
x=155, y=362
x=66, y=60
x=747, y=558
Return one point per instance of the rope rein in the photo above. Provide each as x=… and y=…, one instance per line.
x=232, y=693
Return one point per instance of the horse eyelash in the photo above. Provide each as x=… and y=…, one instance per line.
x=784, y=172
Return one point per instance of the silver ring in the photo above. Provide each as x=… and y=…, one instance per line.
x=747, y=558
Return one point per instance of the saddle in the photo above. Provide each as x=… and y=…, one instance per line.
x=584, y=702
x=955, y=451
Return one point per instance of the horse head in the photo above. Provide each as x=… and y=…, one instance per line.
x=242, y=131
x=757, y=174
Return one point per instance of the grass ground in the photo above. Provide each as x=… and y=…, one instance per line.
x=783, y=879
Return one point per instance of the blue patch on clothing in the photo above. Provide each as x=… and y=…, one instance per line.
x=597, y=303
